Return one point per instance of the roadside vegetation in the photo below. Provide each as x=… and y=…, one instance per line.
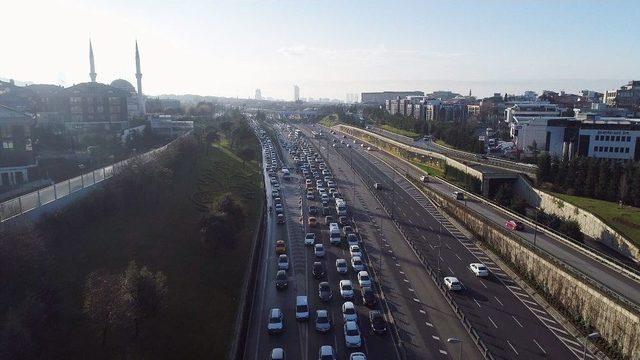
x=330, y=120
x=150, y=266
x=625, y=219
x=402, y=132
x=458, y=134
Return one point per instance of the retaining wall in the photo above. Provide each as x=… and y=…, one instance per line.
x=590, y=224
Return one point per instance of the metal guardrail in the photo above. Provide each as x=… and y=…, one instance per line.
x=12, y=208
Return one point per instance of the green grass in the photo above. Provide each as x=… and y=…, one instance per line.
x=330, y=120
x=625, y=220
x=203, y=284
x=428, y=169
x=407, y=133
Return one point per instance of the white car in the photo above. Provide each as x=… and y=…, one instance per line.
x=346, y=289
x=452, y=283
x=276, y=321
x=341, y=266
x=277, y=354
x=318, y=250
x=349, y=312
x=364, y=279
x=424, y=178
x=310, y=239
x=326, y=353
x=283, y=262
x=357, y=264
x=302, y=308
x=354, y=250
x=479, y=269
x=357, y=356
x=323, y=321
x=352, y=334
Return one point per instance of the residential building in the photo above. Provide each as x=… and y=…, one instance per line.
x=628, y=96
x=379, y=98
x=16, y=153
x=95, y=106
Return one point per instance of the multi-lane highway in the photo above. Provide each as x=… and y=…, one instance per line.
x=588, y=263
x=509, y=321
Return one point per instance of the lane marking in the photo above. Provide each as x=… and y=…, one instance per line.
x=428, y=324
x=499, y=302
x=516, y=320
x=512, y=348
x=540, y=347
x=477, y=303
x=494, y=324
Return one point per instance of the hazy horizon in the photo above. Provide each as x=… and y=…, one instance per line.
x=328, y=48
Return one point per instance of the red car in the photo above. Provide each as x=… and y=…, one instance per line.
x=514, y=225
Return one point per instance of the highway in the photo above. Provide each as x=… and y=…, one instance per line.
x=299, y=339
x=588, y=265
x=511, y=323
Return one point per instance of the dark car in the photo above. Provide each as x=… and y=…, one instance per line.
x=343, y=220
x=326, y=210
x=281, y=280
x=368, y=297
x=313, y=210
x=324, y=291
x=378, y=324
x=347, y=230
x=318, y=270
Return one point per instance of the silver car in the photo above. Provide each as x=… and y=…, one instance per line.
x=323, y=322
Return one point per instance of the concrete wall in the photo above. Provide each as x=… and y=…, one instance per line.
x=590, y=224
x=566, y=289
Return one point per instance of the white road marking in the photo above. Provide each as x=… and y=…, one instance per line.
x=544, y=352
x=494, y=324
x=477, y=303
x=512, y=348
x=499, y=302
x=516, y=320
x=428, y=324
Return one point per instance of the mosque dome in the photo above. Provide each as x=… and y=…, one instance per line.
x=123, y=85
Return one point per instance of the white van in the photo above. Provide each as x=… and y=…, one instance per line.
x=302, y=308
x=334, y=234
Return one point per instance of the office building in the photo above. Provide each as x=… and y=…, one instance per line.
x=531, y=109
x=258, y=94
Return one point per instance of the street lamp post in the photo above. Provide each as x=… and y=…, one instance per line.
x=455, y=340
x=593, y=335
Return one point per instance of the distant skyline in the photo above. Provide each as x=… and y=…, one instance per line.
x=328, y=48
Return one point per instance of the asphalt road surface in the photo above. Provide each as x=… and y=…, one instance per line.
x=512, y=324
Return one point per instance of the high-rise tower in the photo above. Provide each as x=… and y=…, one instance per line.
x=141, y=106
x=296, y=93
x=92, y=65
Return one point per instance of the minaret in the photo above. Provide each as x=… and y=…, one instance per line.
x=92, y=65
x=141, y=107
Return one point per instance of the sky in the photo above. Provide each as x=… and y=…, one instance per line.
x=329, y=48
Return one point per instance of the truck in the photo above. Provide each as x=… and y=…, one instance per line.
x=341, y=207
x=335, y=237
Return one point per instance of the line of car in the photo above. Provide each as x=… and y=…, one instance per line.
x=311, y=166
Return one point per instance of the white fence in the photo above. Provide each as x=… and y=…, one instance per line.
x=25, y=203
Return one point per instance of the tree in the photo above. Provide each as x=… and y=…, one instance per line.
x=571, y=228
x=103, y=302
x=144, y=294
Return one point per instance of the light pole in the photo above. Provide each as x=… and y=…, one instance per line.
x=593, y=335
x=455, y=340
